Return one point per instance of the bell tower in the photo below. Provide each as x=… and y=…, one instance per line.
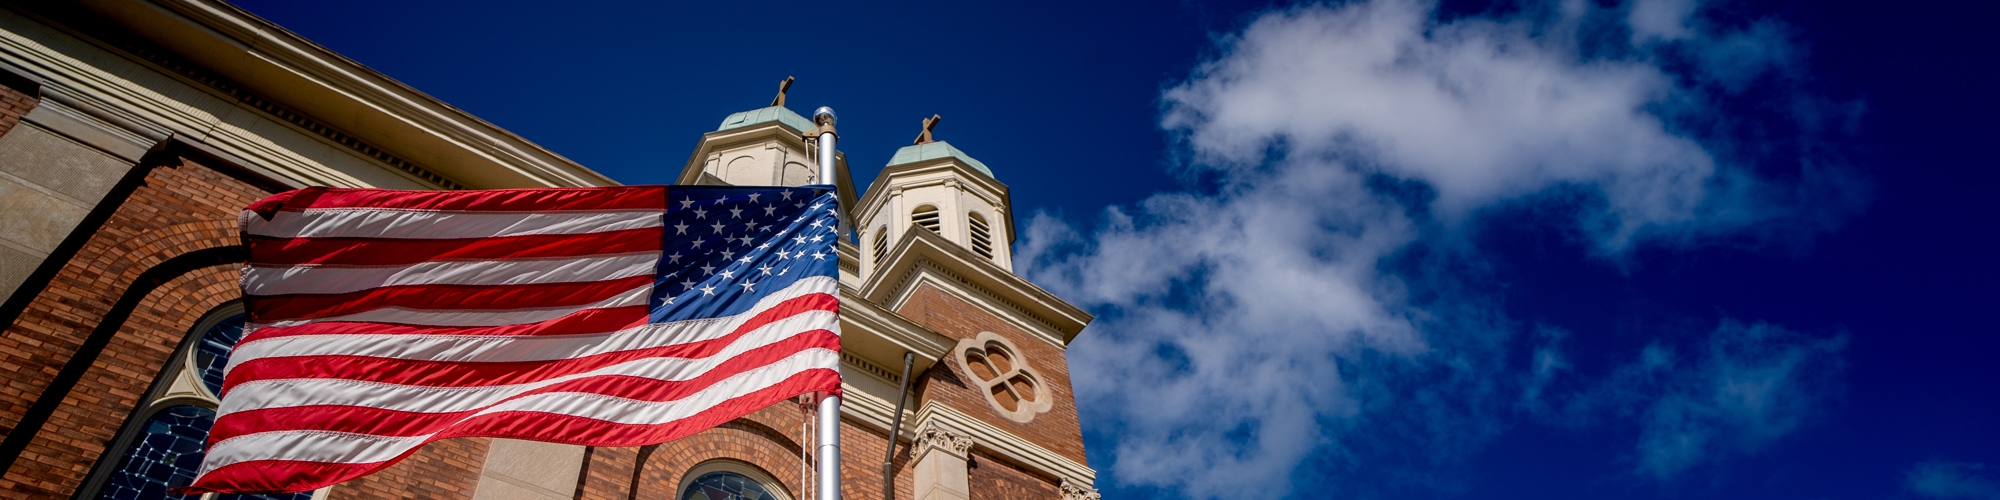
x=932, y=186
x=769, y=146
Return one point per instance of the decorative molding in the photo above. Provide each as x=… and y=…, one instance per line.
x=871, y=368
x=177, y=65
x=936, y=436
x=920, y=255
x=1073, y=491
x=1006, y=444
x=927, y=270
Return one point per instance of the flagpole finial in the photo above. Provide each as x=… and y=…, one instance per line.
x=824, y=116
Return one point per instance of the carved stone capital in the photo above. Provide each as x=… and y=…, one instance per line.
x=1073, y=491
x=933, y=436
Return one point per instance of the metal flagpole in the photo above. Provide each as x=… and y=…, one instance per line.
x=829, y=406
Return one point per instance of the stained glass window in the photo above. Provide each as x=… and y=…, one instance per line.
x=725, y=486
x=211, y=355
x=168, y=448
x=166, y=454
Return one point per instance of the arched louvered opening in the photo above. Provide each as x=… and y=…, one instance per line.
x=982, y=236
x=926, y=217
x=881, y=245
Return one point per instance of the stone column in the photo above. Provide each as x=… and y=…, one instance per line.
x=940, y=458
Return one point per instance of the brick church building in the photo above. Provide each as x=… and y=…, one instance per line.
x=133, y=131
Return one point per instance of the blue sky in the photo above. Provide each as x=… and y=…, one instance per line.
x=1388, y=248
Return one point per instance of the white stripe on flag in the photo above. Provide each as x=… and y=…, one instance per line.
x=431, y=224
x=315, y=279
x=477, y=317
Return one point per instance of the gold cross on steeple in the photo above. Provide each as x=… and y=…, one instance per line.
x=929, y=123
x=782, y=87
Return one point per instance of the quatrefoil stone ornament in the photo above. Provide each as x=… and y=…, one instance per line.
x=998, y=371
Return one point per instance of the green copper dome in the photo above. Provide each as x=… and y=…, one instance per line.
x=771, y=114
x=935, y=150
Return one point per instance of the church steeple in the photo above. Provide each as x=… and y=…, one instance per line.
x=763, y=147
x=931, y=185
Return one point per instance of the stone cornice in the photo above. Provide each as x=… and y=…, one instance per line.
x=922, y=256
x=281, y=66
x=881, y=336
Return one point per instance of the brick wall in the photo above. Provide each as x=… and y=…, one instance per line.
x=14, y=104
x=444, y=470
x=183, y=207
x=992, y=478
x=861, y=464
x=767, y=439
x=947, y=383
x=55, y=463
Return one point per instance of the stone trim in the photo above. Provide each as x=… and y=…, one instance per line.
x=935, y=436
x=926, y=270
x=176, y=65
x=871, y=368
x=1074, y=491
x=1018, y=367
x=1006, y=445
x=738, y=467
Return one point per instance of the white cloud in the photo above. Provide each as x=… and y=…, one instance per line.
x=1936, y=479
x=1281, y=315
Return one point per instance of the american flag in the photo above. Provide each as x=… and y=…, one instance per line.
x=623, y=316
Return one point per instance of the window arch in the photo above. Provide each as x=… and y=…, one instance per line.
x=160, y=446
x=724, y=479
x=926, y=217
x=881, y=244
x=982, y=235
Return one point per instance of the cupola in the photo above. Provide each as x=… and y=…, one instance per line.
x=767, y=146
x=932, y=186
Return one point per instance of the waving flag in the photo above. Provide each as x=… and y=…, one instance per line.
x=384, y=320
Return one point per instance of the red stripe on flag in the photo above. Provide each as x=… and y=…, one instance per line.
x=287, y=476
x=390, y=252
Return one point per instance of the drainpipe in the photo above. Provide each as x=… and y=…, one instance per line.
x=896, y=429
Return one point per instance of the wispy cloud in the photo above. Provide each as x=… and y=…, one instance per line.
x=1936, y=479
x=1315, y=300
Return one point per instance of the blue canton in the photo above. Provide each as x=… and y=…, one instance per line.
x=728, y=247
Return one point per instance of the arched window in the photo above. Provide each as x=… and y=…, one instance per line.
x=982, y=235
x=926, y=217
x=161, y=447
x=881, y=244
x=729, y=480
